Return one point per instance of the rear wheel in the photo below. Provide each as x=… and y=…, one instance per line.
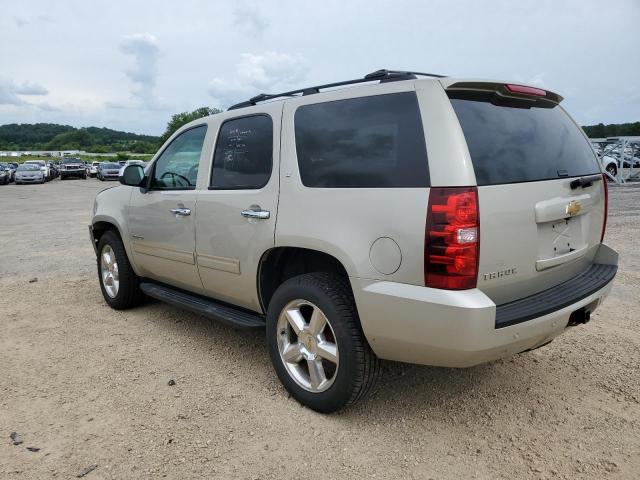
x=119, y=284
x=612, y=169
x=316, y=344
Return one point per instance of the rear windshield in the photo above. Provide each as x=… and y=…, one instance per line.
x=510, y=144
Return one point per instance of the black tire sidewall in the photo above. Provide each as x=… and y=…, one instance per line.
x=341, y=391
x=128, y=280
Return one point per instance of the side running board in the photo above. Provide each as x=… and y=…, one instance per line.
x=232, y=316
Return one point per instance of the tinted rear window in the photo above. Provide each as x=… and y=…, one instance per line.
x=511, y=144
x=367, y=142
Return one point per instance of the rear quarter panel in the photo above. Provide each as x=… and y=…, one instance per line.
x=345, y=222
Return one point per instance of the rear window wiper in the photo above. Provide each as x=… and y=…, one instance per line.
x=585, y=181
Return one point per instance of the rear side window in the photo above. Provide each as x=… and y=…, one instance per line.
x=510, y=144
x=244, y=153
x=368, y=142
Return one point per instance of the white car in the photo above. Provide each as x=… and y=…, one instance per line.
x=131, y=162
x=93, y=169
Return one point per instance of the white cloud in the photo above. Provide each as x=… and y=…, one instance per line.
x=143, y=47
x=249, y=18
x=269, y=72
x=10, y=91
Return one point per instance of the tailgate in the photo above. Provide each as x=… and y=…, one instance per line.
x=540, y=190
x=528, y=240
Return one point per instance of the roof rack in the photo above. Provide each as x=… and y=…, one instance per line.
x=379, y=75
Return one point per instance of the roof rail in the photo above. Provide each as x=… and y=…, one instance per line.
x=382, y=75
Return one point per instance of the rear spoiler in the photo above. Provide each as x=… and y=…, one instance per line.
x=507, y=91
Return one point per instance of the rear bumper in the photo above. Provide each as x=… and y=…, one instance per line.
x=428, y=326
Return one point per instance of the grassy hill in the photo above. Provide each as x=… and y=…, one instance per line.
x=50, y=136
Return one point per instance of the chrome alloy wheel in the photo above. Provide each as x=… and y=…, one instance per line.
x=307, y=346
x=109, y=271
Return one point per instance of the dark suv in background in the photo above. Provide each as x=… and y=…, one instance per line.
x=72, y=167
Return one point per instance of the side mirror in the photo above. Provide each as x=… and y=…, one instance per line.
x=132, y=175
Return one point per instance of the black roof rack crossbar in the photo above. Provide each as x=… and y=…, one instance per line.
x=399, y=73
x=379, y=75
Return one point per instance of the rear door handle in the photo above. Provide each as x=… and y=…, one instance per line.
x=183, y=212
x=261, y=214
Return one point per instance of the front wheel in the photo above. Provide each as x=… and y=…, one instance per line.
x=118, y=282
x=316, y=343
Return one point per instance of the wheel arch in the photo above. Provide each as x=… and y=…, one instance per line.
x=281, y=263
x=100, y=227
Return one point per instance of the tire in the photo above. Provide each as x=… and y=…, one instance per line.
x=356, y=370
x=611, y=168
x=127, y=293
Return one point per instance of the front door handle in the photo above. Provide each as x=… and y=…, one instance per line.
x=183, y=212
x=261, y=214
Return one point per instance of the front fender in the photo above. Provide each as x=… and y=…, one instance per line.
x=111, y=208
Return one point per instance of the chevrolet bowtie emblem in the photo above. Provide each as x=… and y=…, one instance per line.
x=573, y=208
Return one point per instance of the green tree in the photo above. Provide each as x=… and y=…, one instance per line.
x=180, y=119
x=143, y=147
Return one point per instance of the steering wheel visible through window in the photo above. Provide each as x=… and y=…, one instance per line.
x=177, y=166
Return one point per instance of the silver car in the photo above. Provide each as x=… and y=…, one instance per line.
x=108, y=171
x=29, y=173
x=410, y=217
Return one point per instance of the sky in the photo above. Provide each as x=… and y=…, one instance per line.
x=131, y=65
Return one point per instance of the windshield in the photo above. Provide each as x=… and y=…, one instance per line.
x=71, y=160
x=28, y=167
x=111, y=166
x=510, y=144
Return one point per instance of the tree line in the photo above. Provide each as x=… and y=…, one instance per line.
x=613, y=130
x=51, y=136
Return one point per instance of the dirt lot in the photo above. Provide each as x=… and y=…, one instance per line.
x=89, y=386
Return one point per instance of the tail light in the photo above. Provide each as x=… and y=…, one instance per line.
x=452, y=238
x=606, y=205
x=525, y=90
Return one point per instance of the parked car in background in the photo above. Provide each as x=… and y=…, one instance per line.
x=5, y=175
x=73, y=168
x=132, y=162
x=54, y=169
x=93, y=169
x=610, y=165
x=11, y=169
x=108, y=171
x=46, y=172
x=29, y=173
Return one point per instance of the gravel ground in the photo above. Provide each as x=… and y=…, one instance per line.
x=90, y=386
